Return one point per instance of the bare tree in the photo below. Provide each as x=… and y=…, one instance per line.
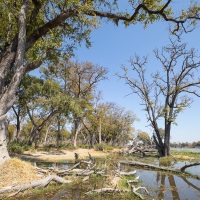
x=166, y=93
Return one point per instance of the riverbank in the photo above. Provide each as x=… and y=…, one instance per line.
x=64, y=155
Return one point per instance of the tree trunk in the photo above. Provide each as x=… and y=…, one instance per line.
x=3, y=143
x=167, y=140
x=34, y=133
x=77, y=129
x=46, y=134
x=91, y=141
x=100, y=130
x=18, y=129
x=59, y=133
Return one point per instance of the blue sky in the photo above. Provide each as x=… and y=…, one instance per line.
x=113, y=46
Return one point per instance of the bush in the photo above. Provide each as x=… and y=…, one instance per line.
x=99, y=147
x=102, y=147
x=48, y=147
x=84, y=146
x=165, y=161
x=18, y=147
x=108, y=147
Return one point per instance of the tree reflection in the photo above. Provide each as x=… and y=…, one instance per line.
x=162, y=185
x=161, y=179
x=174, y=189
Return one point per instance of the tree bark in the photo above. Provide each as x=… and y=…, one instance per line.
x=59, y=133
x=100, y=130
x=77, y=129
x=3, y=143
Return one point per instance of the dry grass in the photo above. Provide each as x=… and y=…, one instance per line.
x=15, y=171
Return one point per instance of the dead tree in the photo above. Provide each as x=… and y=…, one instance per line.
x=167, y=93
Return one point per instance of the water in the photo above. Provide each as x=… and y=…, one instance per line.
x=187, y=149
x=167, y=186
x=65, y=165
x=195, y=170
x=161, y=185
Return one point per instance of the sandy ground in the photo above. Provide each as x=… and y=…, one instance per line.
x=53, y=156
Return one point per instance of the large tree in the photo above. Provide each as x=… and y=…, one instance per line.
x=165, y=94
x=78, y=80
x=31, y=31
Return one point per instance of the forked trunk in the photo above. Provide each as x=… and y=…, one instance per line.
x=3, y=143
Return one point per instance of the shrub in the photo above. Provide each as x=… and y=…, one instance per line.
x=99, y=147
x=18, y=147
x=84, y=146
x=108, y=147
x=102, y=147
x=165, y=161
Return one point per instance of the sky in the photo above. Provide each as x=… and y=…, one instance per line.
x=113, y=46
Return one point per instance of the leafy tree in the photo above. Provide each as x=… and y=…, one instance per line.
x=167, y=93
x=116, y=124
x=78, y=80
x=22, y=98
x=33, y=31
x=144, y=137
x=45, y=101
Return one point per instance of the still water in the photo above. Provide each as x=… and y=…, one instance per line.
x=161, y=185
x=167, y=186
x=187, y=149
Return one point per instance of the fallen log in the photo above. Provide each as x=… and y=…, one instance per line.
x=126, y=173
x=148, y=166
x=154, y=167
x=33, y=184
x=189, y=165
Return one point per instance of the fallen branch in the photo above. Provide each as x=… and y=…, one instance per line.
x=108, y=190
x=112, y=190
x=144, y=165
x=134, y=190
x=33, y=184
x=126, y=173
x=189, y=165
x=154, y=167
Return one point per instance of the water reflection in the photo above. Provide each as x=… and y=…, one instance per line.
x=168, y=186
x=161, y=185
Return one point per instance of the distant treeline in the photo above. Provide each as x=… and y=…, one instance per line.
x=185, y=144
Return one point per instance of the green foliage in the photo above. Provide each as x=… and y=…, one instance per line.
x=103, y=147
x=18, y=147
x=99, y=147
x=48, y=147
x=165, y=161
x=84, y=146
x=144, y=137
x=11, y=131
x=70, y=147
